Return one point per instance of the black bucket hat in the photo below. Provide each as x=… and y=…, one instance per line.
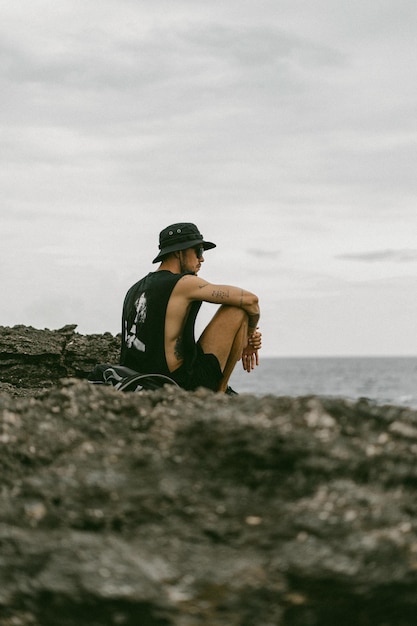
x=179, y=237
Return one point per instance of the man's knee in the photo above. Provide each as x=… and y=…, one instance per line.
x=234, y=313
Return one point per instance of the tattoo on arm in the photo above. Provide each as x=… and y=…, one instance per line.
x=219, y=293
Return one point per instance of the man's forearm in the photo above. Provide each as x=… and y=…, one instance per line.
x=249, y=303
x=253, y=320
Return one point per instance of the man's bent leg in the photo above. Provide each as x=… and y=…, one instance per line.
x=235, y=353
x=225, y=337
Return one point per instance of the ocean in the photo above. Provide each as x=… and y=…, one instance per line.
x=385, y=380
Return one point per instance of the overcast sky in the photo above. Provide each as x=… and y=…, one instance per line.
x=285, y=129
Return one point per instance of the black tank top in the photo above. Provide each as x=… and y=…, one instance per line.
x=143, y=324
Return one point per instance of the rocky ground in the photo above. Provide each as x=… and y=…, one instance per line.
x=170, y=508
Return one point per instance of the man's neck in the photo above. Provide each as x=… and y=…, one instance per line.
x=171, y=264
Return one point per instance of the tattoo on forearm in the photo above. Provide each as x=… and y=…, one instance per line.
x=219, y=293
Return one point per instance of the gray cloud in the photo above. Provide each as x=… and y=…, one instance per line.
x=396, y=256
x=262, y=253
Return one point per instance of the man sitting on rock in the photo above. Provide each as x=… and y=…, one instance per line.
x=160, y=310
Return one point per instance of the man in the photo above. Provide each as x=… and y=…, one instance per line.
x=160, y=310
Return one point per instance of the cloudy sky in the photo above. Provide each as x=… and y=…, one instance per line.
x=285, y=129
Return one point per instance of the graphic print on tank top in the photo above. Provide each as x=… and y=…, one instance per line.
x=132, y=340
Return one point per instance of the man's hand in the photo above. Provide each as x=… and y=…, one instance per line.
x=250, y=356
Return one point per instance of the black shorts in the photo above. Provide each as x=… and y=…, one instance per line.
x=205, y=372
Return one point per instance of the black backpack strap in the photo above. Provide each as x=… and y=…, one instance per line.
x=126, y=379
x=144, y=381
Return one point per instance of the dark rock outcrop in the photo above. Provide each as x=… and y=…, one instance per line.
x=33, y=359
x=170, y=508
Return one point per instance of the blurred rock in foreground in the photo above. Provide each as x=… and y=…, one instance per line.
x=170, y=508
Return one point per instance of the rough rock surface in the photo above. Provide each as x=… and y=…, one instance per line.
x=32, y=359
x=170, y=508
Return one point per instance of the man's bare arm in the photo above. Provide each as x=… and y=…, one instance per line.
x=195, y=288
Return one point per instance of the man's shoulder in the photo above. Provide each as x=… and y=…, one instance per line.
x=191, y=287
x=190, y=281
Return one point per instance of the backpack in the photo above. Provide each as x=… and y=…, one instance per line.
x=126, y=379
